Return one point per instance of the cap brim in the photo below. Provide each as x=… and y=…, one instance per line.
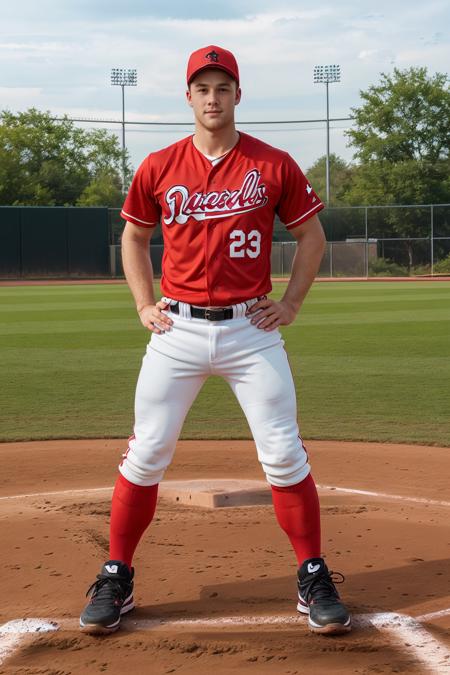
x=210, y=66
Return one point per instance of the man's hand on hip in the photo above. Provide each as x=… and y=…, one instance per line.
x=269, y=314
x=153, y=318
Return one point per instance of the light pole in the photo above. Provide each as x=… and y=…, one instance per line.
x=124, y=77
x=325, y=75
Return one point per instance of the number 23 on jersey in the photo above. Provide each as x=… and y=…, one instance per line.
x=245, y=245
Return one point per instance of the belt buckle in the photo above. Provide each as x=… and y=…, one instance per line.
x=214, y=313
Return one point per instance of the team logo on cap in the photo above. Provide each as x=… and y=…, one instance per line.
x=212, y=56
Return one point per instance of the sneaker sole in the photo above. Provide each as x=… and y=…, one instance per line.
x=100, y=629
x=330, y=628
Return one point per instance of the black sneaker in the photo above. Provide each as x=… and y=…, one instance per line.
x=318, y=597
x=111, y=596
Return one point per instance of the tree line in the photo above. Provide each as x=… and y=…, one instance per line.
x=44, y=162
x=400, y=139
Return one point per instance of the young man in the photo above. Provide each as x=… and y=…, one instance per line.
x=216, y=194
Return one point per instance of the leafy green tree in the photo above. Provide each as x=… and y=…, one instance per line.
x=405, y=117
x=401, y=139
x=44, y=162
x=340, y=178
x=103, y=190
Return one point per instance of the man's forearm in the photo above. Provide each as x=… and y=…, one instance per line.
x=138, y=270
x=305, y=266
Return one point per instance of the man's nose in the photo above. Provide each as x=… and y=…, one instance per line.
x=212, y=97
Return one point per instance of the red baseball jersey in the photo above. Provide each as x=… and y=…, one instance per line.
x=217, y=220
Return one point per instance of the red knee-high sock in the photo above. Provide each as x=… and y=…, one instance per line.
x=132, y=510
x=298, y=513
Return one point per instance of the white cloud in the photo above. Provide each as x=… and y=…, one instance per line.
x=377, y=55
x=58, y=56
x=21, y=95
x=36, y=47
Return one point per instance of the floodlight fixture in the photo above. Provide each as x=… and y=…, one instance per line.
x=123, y=77
x=327, y=75
x=323, y=74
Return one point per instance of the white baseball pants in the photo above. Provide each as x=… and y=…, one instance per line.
x=175, y=366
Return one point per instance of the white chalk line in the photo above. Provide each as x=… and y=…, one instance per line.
x=384, y=495
x=8, y=645
x=13, y=633
x=432, y=615
x=57, y=493
x=325, y=488
x=404, y=630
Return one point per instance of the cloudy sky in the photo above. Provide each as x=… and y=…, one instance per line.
x=57, y=55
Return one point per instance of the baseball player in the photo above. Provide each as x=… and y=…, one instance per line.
x=216, y=194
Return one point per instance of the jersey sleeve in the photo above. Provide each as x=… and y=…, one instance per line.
x=140, y=206
x=298, y=201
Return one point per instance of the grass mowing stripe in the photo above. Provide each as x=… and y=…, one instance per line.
x=382, y=299
x=61, y=306
x=422, y=286
x=113, y=318
x=78, y=301
x=373, y=317
x=68, y=325
x=75, y=341
x=364, y=369
x=342, y=341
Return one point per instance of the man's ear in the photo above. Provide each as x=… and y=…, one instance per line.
x=237, y=100
x=189, y=97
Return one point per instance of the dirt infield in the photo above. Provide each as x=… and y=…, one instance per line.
x=215, y=588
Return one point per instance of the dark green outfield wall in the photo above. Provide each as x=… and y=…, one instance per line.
x=53, y=242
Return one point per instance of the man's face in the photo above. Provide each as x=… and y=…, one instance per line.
x=213, y=95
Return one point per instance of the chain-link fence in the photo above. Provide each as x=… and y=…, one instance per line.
x=406, y=240
x=362, y=241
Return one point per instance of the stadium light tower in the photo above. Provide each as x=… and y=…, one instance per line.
x=325, y=75
x=124, y=77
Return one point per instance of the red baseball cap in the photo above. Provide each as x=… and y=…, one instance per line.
x=212, y=57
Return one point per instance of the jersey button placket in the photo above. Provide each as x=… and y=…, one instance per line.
x=209, y=224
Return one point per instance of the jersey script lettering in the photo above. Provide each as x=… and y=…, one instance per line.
x=182, y=205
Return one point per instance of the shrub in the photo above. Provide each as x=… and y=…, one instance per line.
x=383, y=267
x=442, y=266
x=421, y=270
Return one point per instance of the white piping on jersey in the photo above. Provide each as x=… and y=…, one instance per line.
x=305, y=214
x=203, y=216
x=134, y=218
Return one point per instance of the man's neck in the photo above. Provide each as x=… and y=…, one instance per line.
x=215, y=143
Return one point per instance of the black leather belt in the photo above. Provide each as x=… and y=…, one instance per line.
x=208, y=313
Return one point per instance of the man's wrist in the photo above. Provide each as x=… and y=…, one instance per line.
x=143, y=305
x=294, y=305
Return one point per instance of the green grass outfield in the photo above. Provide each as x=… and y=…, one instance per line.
x=371, y=362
